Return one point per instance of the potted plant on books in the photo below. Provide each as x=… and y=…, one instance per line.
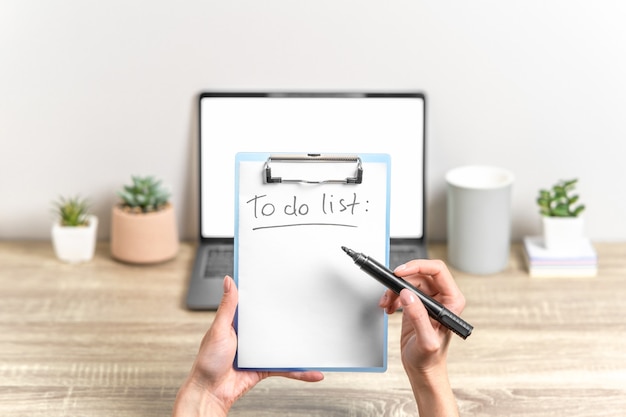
x=563, y=225
x=74, y=230
x=143, y=224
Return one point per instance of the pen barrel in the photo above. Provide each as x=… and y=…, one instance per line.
x=382, y=274
x=435, y=309
x=396, y=284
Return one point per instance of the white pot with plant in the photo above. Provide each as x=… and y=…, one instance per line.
x=563, y=225
x=143, y=224
x=74, y=231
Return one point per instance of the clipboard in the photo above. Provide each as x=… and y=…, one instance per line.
x=303, y=305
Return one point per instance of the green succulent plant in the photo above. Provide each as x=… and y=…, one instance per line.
x=558, y=202
x=145, y=194
x=72, y=211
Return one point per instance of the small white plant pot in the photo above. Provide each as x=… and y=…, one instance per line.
x=563, y=233
x=74, y=244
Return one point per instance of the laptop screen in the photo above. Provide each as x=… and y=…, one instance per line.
x=312, y=123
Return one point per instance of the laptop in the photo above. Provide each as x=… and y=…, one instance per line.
x=304, y=122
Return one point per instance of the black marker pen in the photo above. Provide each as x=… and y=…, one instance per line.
x=386, y=277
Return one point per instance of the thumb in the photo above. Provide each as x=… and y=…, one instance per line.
x=414, y=310
x=228, y=305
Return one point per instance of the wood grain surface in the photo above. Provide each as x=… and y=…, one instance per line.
x=110, y=339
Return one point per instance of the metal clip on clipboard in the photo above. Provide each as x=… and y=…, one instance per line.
x=315, y=158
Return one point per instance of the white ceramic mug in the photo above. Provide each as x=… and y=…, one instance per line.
x=479, y=218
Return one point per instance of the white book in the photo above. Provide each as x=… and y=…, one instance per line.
x=579, y=261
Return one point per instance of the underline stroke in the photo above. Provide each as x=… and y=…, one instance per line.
x=304, y=224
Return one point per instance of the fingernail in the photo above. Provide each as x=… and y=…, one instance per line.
x=400, y=268
x=383, y=299
x=226, y=284
x=406, y=297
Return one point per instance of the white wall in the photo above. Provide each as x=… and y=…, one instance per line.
x=93, y=92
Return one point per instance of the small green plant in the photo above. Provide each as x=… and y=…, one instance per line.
x=558, y=202
x=144, y=195
x=72, y=211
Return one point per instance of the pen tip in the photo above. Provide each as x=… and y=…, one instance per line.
x=345, y=249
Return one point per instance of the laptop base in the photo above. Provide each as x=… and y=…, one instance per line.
x=214, y=261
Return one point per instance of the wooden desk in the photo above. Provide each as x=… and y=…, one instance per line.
x=108, y=339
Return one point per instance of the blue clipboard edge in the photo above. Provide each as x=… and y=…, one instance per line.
x=263, y=156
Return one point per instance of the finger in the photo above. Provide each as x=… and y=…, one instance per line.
x=415, y=311
x=306, y=376
x=387, y=299
x=228, y=305
x=390, y=298
x=389, y=302
x=440, y=279
x=422, y=266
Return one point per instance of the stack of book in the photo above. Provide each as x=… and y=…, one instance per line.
x=580, y=260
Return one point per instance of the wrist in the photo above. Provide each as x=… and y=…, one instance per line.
x=426, y=368
x=196, y=400
x=428, y=377
x=432, y=391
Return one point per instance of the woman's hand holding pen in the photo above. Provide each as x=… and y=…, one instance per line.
x=213, y=384
x=424, y=342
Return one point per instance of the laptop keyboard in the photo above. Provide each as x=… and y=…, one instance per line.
x=399, y=254
x=219, y=262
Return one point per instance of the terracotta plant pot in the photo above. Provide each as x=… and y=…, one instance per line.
x=144, y=238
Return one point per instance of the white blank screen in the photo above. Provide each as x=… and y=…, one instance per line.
x=392, y=125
